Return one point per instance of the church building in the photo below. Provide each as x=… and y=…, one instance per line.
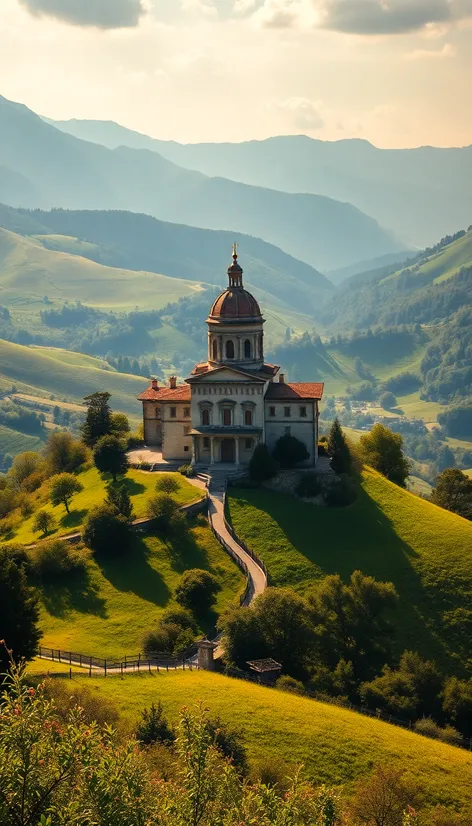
x=234, y=400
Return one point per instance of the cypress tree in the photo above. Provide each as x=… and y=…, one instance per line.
x=98, y=419
x=341, y=459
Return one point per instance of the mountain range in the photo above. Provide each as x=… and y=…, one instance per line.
x=418, y=193
x=55, y=169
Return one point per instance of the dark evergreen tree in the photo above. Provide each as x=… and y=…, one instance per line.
x=19, y=612
x=98, y=419
x=338, y=449
x=105, y=533
x=262, y=466
x=110, y=456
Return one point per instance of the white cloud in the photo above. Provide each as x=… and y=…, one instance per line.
x=104, y=14
x=304, y=114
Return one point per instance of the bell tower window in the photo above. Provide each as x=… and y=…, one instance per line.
x=229, y=349
x=215, y=349
x=247, y=349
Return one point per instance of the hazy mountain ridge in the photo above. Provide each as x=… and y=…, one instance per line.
x=420, y=193
x=76, y=174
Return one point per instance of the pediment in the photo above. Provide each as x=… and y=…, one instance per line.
x=224, y=374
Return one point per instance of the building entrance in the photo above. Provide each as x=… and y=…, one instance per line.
x=228, y=450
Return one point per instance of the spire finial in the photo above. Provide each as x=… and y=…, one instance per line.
x=235, y=251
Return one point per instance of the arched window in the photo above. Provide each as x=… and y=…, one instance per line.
x=247, y=349
x=205, y=417
x=248, y=417
x=261, y=345
x=230, y=349
x=226, y=416
x=215, y=350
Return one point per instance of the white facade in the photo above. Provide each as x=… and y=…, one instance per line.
x=233, y=401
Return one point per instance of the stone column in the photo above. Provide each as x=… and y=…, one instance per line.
x=239, y=355
x=194, y=450
x=237, y=451
x=212, y=451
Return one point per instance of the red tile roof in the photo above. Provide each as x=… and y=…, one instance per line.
x=295, y=390
x=181, y=393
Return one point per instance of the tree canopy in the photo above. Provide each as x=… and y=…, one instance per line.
x=383, y=450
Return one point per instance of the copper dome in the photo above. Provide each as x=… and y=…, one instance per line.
x=235, y=303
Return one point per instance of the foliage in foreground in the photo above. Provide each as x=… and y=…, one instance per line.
x=70, y=771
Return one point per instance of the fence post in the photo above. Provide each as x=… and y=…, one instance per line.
x=70, y=673
x=90, y=669
x=105, y=667
x=121, y=666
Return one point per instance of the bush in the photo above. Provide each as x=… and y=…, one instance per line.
x=118, y=500
x=308, y=486
x=429, y=728
x=173, y=635
x=33, y=481
x=341, y=493
x=106, y=533
x=197, y=590
x=183, y=642
x=158, y=641
x=167, y=484
x=63, y=453
x=153, y=727
x=290, y=451
x=56, y=559
x=44, y=522
x=163, y=510
x=94, y=708
x=134, y=441
x=181, y=617
x=261, y=466
x=289, y=684
x=229, y=742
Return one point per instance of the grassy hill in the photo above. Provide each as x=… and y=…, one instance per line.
x=334, y=745
x=107, y=611
x=140, y=486
x=76, y=174
x=68, y=375
x=388, y=533
x=13, y=442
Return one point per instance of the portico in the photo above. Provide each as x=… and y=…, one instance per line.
x=225, y=445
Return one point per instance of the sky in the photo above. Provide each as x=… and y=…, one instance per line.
x=395, y=72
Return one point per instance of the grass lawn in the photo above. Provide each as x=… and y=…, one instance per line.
x=141, y=487
x=335, y=745
x=106, y=611
x=387, y=533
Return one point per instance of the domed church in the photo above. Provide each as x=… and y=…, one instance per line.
x=234, y=400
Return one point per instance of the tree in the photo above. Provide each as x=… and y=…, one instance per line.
x=383, y=450
x=412, y=690
x=383, y=798
x=63, y=453
x=109, y=456
x=457, y=703
x=44, y=522
x=19, y=612
x=261, y=466
x=167, y=484
x=106, y=533
x=453, y=491
x=387, y=400
x=163, y=509
x=98, y=419
x=353, y=621
x=290, y=451
x=119, y=500
x=62, y=488
x=24, y=465
x=119, y=424
x=197, y=590
x=338, y=449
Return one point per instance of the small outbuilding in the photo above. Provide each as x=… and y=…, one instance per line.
x=267, y=670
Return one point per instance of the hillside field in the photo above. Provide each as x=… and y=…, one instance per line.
x=14, y=442
x=70, y=376
x=107, y=611
x=334, y=745
x=140, y=485
x=388, y=533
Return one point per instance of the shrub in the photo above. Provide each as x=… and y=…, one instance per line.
x=56, y=559
x=167, y=484
x=272, y=772
x=94, y=708
x=181, y=617
x=261, y=466
x=134, y=441
x=185, y=639
x=340, y=493
x=44, y=522
x=158, y=641
x=163, y=510
x=429, y=728
x=290, y=451
x=118, y=500
x=106, y=533
x=308, y=486
x=289, y=684
x=33, y=481
x=63, y=453
x=153, y=727
x=197, y=590
x=228, y=741
x=62, y=488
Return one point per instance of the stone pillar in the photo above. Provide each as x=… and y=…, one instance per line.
x=220, y=347
x=194, y=450
x=212, y=451
x=238, y=354
x=237, y=451
x=205, y=655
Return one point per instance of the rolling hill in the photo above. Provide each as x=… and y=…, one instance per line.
x=335, y=746
x=76, y=174
x=41, y=371
x=387, y=533
x=420, y=193
x=140, y=242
